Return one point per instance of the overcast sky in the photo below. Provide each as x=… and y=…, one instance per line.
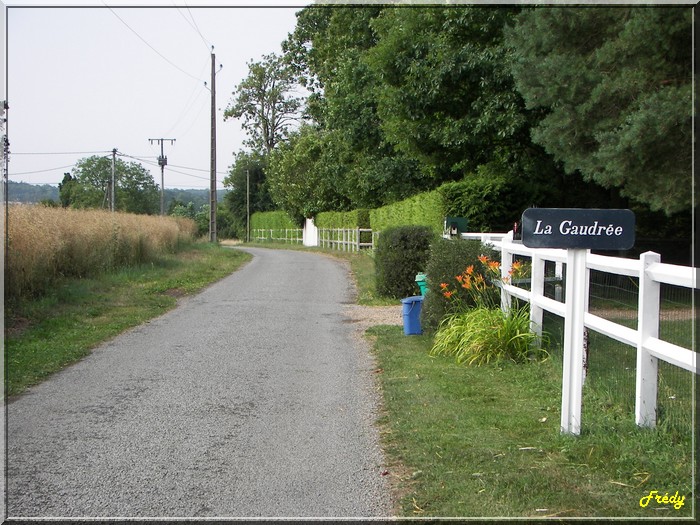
x=89, y=79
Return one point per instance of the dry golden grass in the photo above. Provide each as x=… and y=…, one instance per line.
x=48, y=243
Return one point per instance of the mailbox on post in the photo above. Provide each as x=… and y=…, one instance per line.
x=576, y=230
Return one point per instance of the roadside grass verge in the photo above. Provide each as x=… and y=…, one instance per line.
x=45, y=335
x=485, y=442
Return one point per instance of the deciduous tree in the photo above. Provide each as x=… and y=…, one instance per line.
x=266, y=103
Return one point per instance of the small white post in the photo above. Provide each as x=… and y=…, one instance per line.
x=648, y=326
x=572, y=377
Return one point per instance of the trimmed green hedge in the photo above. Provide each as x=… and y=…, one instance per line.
x=271, y=220
x=343, y=219
x=424, y=209
x=401, y=253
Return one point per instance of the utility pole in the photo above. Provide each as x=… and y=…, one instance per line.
x=114, y=160
x=212, y=168
x=247, y=200
x=212, y=174
x=5, y=159
x=162, y=162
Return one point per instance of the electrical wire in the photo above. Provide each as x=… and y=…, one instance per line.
x=173, y=165
x=190, y=103
x=169, y=168
x=40, y=171
x=61, y=153
x=149, y=45
x=193, y=24
x=202, y=105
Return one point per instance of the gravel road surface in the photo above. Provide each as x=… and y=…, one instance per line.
x=250, y=399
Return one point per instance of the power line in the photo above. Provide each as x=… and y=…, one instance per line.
x=149, y=45
x=170, y=165
x=40, y=171
x=193, y=24
x=61, y=153
x=190, y=102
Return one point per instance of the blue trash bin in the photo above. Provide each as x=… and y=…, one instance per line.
x=411, y=315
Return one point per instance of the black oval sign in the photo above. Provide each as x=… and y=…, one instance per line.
x=595, y=229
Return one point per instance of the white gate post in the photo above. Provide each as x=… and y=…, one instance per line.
x=647, y=364
x=309, y=235
x=572, y=377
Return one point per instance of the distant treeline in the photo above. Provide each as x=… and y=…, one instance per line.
x=35, y=193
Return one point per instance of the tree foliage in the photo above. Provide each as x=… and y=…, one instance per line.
x=557, y=107
x=616, y=86
x=303, y=180
x=266, y=103
x=248, y=167
x=89, y=186
x=447, y=98
x=328, y=50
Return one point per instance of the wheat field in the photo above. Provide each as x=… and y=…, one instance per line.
x=45, y=244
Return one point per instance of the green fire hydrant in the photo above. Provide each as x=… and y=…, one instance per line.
x=422, y=283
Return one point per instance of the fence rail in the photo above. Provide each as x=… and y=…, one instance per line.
x=288, y=235
x=650, y=348
x=347, y=239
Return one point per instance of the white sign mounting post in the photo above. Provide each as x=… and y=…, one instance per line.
x=578, y=231
x=572, y=378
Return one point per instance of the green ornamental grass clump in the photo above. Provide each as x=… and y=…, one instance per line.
x=483, y=334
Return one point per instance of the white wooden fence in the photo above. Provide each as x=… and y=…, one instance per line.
x=346, y=239
x=651, y=274
x=289, y=235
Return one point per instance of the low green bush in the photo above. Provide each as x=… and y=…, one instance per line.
x=401, y=253
x=447, y=259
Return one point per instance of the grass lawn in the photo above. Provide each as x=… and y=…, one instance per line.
x=45, y=335
x=485, y=442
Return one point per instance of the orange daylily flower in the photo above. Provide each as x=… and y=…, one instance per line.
x=470, y=269
x=483, y=258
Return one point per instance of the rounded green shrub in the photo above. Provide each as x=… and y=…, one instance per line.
x=401, y=253
x=448, y=258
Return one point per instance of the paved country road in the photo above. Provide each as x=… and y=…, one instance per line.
x=250, y=399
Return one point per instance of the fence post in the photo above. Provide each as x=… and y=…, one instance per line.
x=572, y=376
x=506, y=265
x=647, y=364
x=536, y=290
